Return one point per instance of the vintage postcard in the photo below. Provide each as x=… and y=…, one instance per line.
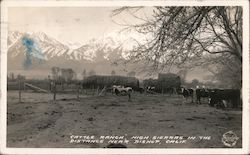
x=124, y=77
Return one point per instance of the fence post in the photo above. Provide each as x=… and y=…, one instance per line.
x=81, y=89
x=85, y=89
x=162, y=90
x=24, y=89
x=93, y=90
x=78, y=90
x=54, y=91
x=97, y=91
x=49, y=89
x=129, y=96
x=19, y=87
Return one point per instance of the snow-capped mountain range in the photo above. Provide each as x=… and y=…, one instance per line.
x=51, y=48
x=97, y=54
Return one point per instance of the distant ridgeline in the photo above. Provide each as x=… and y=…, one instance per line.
x=102, y=81
x=164, y=83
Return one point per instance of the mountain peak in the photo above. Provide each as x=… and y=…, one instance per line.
x=96, y=49
x=41, y=35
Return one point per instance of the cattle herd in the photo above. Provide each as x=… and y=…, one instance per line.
x=221, y=98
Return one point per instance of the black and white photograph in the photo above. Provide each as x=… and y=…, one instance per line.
x=124, y=76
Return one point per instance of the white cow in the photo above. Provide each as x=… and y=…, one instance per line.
x=121, y=90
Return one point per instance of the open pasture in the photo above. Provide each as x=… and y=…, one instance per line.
x=38, y=121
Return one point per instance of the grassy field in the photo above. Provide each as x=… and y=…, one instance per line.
x=40, y=122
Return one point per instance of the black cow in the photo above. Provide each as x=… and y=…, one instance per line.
x=230, y=95
x=201, y=93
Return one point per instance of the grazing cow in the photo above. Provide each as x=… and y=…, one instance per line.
x=187, y=93
x=201, y=93
x=219, y=97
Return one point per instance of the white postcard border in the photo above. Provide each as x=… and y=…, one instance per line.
x=245, y=89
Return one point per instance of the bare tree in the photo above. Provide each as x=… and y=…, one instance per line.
x=11, y=76
x=55, y=72
x=84, y=74
x=67, y=74
x=21, y=77
x=177, y=35
x=225, y=69
x=195, y=82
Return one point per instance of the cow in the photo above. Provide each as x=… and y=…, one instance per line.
x=150, y=88
x=220, y=96
x=121, y=90
x=201, y=93
x=186, y=93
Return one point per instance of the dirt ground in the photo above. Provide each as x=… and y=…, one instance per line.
x=40, y=122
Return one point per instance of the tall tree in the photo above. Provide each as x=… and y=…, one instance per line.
x=55, y=72
x=84, y=74
x=176, y=35
x=67, y=74
x=12, y=76
x=195, y=83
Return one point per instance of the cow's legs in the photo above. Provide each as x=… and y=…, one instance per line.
x=117, y=92
x=129, y=96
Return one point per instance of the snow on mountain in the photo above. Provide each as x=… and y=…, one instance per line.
x=46, y=45
x=104, y=48
x=96, y=54
x=73, y=45
x=13, y=37
x=100, y=48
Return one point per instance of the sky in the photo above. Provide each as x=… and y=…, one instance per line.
x=67, y=24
